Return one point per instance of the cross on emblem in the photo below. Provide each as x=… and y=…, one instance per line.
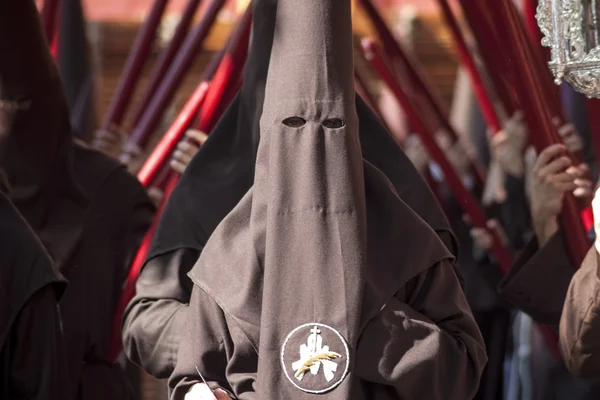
x=313, y=355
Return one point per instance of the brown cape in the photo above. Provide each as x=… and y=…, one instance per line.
x=538, y=280
x=88, y=211
x=322, y=280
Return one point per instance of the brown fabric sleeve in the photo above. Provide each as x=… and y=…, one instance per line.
x=538, y=280
x=156, y=316
x=580, y=322
x=425, y=334
x=38, y=364
x=212, y=343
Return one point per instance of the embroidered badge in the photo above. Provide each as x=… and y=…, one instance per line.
x=315, y=358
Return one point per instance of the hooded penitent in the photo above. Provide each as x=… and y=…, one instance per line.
x=307, y=262
x=215, y=181
x=89, y=213
x=35, y=134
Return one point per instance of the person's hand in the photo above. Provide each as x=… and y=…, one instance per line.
x=416, y=152
x=483, y=237
x=108, y=141
x=570, y=136
x=455, y=153
x=202, y=392
x=156, y=195
x=187, y=149
x=494, y=190
x=553, y=176
x=508, y=145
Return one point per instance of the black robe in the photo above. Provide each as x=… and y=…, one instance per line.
x=96, y=260
x=32, y=357
x=87, y=210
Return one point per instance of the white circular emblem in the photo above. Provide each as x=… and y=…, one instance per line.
x=315, y=358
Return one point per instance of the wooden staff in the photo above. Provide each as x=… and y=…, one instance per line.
x=425, y=129
x=133, y=68
x=421, y=92
x=539, y=117
x=171, y=82
x=483, y=97
x=165, y=58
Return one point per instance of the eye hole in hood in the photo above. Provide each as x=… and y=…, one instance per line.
x=294, y=122
x=334, y=123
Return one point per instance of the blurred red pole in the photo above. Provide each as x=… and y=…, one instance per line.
x=49, y=15
x=165, y=58
x=418, y=87
x=171, y=82
x=492, y=51
x=539, y=117
x=483, y=97
x=133, y=68
x=467, y=201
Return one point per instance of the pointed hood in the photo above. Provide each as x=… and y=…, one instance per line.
x=223, y=170
x=322, y=241
x=309, y=193
x=35, y=134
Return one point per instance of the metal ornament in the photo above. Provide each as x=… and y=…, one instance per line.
x=570, y=29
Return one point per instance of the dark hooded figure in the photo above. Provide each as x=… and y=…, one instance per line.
x=89, y=213
x=32, y=358
x=214, y=182
x=322, y=280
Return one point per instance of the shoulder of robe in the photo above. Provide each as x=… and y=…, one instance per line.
x=95, y=170
x=92, y=168
x=401, y=245
x=25, y=267
x=382, y=152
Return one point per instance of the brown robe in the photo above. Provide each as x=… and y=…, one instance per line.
x=214, y=182
x=580, y=321
x=322, y=251
x=88, y=211
x=32, y=357
x=538, y=280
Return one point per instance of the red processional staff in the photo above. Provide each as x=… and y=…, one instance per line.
x=133, y=67
x=491, y=49
x=499, y=59
x=165, y=58
x=177, y=71
x=214, y=96
x=533, y=98
x=421, y=92
x=424, y=126
x=49, y=15
x=481, y=92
